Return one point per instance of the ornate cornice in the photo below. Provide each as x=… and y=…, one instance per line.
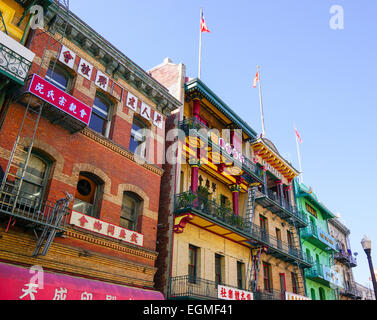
x=129, y=249
x=120, y=150
x=116, y=63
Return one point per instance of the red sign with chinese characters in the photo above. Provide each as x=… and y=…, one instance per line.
x=107, y=229
x=60, y=99
x=18, y=283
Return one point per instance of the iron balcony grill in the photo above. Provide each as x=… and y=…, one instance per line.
x=281, y=207
x=13, y=65
x=31, y=211
x=194, y=127
x=209, y=209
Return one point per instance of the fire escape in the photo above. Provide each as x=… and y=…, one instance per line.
x=46, y=219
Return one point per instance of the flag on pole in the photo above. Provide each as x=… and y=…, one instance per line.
x=203, y=25
x=298, y=136
x=256, y=79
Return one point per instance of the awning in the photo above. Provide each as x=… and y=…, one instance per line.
x=17, y=283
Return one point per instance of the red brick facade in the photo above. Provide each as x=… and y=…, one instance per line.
x=79, y=252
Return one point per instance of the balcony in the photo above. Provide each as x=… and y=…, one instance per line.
x=346, y=258
x=221, y=220
x=269, y=295
x=324, y=275
x=319, y=238
x=197, y=128
x=282, y=208
x=15, y=60
x=186, y=288
x=351, y=292
x=31, y=212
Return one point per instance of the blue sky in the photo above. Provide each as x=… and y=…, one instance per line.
x=323, y=80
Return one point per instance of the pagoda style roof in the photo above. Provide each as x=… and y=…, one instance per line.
x=265, y=149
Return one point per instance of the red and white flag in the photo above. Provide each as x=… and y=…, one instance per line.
x=298, y=136
x=256, y=79
x=203, y=25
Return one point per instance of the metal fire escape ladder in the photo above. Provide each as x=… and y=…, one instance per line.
x=13, y=201
x=55, y=221
x=255, y=252
x=301, y=288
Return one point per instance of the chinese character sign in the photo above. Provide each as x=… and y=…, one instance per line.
x=106, y=229
x=102, y=80
x=60, y=99
x=227, y=293
x=67, y=57
x=85, y=69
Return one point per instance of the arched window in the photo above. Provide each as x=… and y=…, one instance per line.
x=312, y=293
x=322, y=294
x=59, y=77
x=35, y=180
x=138, y=138
x=88, y=195
x=131, y=207
x=101, y=116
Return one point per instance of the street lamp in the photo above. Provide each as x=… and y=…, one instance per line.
x=367, y=246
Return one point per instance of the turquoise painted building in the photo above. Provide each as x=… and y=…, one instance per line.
x=322, y=281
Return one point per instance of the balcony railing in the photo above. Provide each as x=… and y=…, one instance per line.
x=15, y=59
x=269, y=295
x=186, y=287
x=351, y=292
x=319, y=238
x=190, y=202
x=282, y=208
x=323, y=274
x=195, y=126
x=346, y=258
x=32, y=211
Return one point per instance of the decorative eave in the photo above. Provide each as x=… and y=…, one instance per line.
x=304, y=191
x=196, y=87
x=339, y=225
x=272, y=157
x=116, y=63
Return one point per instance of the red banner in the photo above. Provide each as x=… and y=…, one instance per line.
x=18, y=283
x=60, y=99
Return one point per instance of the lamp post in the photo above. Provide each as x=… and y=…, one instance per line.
x=367, y=246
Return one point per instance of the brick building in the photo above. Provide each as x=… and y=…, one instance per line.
x=344, y=260
x=228, y=227
x=81, y=153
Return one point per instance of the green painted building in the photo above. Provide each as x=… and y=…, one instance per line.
x=321, y=280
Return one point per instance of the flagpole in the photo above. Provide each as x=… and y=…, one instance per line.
x=200, y=45
x=299, y=157
x=261, y=104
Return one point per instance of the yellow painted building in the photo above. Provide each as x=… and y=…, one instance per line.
x=223, y=234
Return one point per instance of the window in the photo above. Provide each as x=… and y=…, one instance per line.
x=59, y=77
x=294, y=283
x=312, y=293
x=88, y=193
x=310, y=209
x=138, y=138
x=278, y=238
x=35, y=180
x=267, y=277
x=193, y=264
x=101, y=116
x=282, y=282
x=264, y=228
x=290, y=239
x=218, y=269
x=131, y=207
x=240, y=275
